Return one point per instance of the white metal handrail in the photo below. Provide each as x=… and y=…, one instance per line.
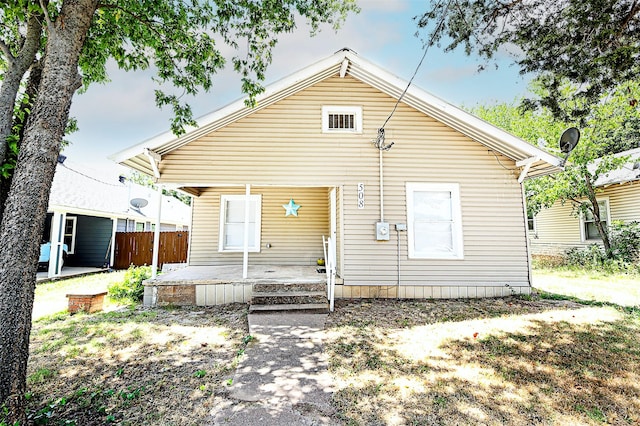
x=329, y=246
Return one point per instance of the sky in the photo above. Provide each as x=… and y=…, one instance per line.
x=122, y=113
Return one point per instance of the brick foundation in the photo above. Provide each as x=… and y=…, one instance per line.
x=85, y=302
x=179, y=295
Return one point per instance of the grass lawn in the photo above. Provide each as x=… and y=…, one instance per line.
x=50, y=297
x=510, y=361
x=620, y=289
x=128, y=365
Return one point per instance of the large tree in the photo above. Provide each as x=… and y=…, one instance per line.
x=613, y=126
x=51, y=48
x=592, y=44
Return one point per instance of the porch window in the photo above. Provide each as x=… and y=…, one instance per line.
x=434, y=221
x=589, y=229
x=341, y=119
x=232, y=215
x=70, y=233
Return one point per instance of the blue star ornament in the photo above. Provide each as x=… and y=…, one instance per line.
x=291, y=208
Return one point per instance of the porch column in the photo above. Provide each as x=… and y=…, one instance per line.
x=57, y=241
x=112, y=256
x=156, y=237
x=245, y=254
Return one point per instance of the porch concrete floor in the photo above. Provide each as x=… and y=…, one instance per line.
x=233, y=274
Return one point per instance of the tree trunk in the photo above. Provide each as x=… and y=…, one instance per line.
x=23, y=219
x=595, y=208
x=18, y=67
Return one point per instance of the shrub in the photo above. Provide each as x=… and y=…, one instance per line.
x=625, y=241
x=131, y=288
x=625, y=250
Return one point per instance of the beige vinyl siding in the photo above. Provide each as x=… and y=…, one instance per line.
x=624, y=201
x=283, y=145
x=558, y=227
x=294, y=240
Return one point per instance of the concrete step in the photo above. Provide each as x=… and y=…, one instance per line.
x=293, y=287
x=288, y=293
x=288, y=298
x=297, y=307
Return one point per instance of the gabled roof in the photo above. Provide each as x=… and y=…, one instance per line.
x=76, y=192
x=628, y=173
x=536, y=161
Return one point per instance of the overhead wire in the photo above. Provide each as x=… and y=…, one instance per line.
x=424, y=55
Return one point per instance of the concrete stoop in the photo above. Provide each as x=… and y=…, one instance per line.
x=295, y=297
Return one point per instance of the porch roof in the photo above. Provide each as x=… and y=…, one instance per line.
x=536, y=161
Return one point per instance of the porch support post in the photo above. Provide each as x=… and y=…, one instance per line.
x=57, y=240
x=112, y=255
x=245, y=254
x=156, y=237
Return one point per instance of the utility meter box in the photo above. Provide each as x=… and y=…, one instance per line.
x=382, y=231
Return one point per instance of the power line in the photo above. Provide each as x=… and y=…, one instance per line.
x=424, y=55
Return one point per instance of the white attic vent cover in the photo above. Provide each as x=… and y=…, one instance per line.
x=341, y=119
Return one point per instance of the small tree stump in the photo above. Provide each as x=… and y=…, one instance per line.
x=90, y=302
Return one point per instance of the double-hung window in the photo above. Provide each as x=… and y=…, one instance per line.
x=232, y=222
x=434, y=221
x=589, y=229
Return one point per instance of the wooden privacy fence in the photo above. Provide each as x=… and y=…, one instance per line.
x=136, y=248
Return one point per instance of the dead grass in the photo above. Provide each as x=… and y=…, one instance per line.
x=493, y=361
x=133, y=366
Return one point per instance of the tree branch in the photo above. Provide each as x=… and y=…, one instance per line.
x=45, y=13
x=7, y=52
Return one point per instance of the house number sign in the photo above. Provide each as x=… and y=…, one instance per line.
x=361, y=195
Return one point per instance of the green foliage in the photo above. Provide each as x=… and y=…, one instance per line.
x=608, y=129
x=131, y=287
x=593, y=44
x=625, y=248
x=146, y=180
x=625, y=241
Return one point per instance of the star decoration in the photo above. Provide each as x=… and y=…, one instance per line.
x=291, y=208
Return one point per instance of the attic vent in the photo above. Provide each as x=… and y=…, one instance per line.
x=341, y=119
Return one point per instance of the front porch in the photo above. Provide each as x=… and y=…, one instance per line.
x=216, y=285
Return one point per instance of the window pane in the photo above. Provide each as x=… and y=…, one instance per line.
x=432, y=206
x=234, y=235
x=433, y=237
x=591, y=231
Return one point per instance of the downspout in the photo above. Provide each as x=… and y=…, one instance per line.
x=381, y=188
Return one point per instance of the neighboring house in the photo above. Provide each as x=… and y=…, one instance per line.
x=85, y=213
x=555, y=230
x=439, y=214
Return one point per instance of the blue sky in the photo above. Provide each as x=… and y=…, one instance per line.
x=122, y=113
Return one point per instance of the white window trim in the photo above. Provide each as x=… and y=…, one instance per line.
x=258, y=216
x=356, y=110
x=583, y=235
x=533, y=232
x=74, y=219
x=456, y=212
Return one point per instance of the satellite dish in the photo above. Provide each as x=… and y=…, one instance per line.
x=138, y=202
x=569, y=140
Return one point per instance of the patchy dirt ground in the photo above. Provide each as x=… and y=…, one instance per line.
x=133, y=366
x=491, y=361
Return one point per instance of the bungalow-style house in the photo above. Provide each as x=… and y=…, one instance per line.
x=430, y=207
x=555, y=230
x=86, y=212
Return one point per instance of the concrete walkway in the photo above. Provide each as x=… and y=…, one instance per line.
x=283, y=378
